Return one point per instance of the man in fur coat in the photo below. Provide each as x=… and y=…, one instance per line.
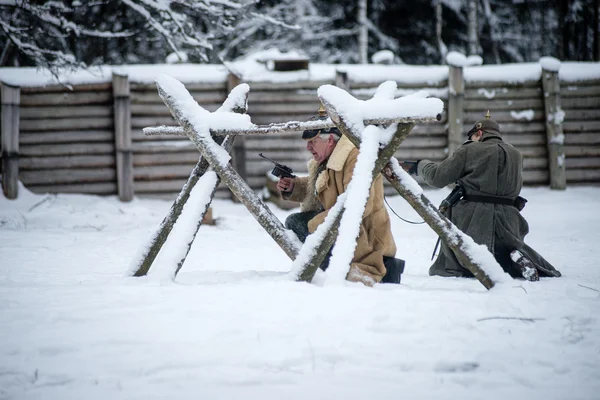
x=330, y=172
x=489, y=170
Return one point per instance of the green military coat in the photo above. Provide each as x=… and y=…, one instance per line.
x=488, y=167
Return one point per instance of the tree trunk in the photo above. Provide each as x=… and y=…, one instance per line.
x=493, y=23
x=438, y=32
x=563, y=41
x=472, y=28
x=6, y=53
x=363, y=33
x=596, y=27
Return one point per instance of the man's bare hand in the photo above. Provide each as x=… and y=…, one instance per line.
x=285, y=185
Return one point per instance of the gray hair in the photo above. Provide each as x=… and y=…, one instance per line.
x=335, y=137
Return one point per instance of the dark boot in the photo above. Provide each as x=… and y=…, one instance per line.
x=525, y=265
x=394, y=269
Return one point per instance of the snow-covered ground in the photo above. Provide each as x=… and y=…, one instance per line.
x=74, y=327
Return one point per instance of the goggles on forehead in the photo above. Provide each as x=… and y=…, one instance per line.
x=309, y=134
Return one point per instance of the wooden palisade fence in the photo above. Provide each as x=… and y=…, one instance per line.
x=89, y=139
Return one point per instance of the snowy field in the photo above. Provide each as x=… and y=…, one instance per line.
x=74, y=327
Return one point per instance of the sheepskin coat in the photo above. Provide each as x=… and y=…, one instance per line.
x=319, y=192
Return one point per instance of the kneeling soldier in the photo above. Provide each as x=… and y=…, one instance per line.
x=489, y=172
x=330, y=172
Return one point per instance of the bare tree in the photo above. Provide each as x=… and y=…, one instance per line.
x=492, y=21
x=473, y=47
x=596, y=27
x=363, y=32
x=562, y=43
x=49, y=33
x=438, y=31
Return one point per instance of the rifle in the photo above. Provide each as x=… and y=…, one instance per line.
x=280, y=170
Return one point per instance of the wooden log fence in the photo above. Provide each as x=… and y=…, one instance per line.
x=90, y=139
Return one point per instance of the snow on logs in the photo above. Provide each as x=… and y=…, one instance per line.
x=478, y=260
x=197, y=124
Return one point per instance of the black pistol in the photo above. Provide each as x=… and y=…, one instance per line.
x=280, y=170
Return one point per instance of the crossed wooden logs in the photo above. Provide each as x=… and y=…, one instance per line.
x=182, y=106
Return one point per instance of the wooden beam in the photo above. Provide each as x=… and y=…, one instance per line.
x=291, y=126
x=11, y=97
x=66, y=98
x=554, y=129
x=456, y=98
x=122, y=120
x=238, y=152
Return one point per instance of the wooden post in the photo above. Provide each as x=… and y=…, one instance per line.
x=341, y=80
x=11, y=98
x=554, y=131
x=122, y=117
x=238, y=154
x=456, y=98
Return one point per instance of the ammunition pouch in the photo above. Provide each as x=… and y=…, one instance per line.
x=520, y=202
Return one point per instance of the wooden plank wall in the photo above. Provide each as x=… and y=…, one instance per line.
x=67, y=135
x=271, y=103
x=162, y=164
x=581, y=127
x=519, y=109
x=67, y=139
